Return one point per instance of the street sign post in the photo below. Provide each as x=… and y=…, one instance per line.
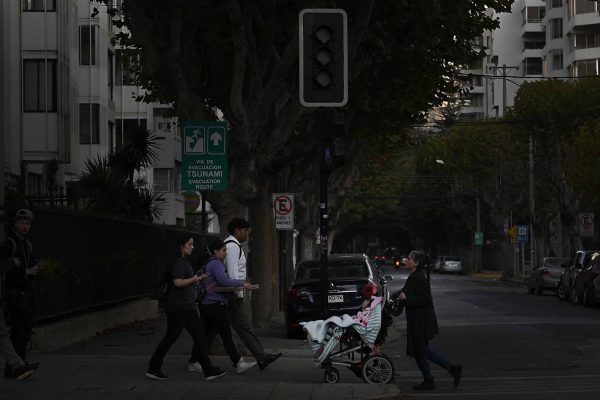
x=283, y=211
x=522, y=233
x=478, y=238
x=204, y=156
x=586, y=224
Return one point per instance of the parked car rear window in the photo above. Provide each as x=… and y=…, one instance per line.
x=342, y=270
x=452, y=259
x=556, y=262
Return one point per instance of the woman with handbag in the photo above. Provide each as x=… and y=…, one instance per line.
x=215, y=305
x=182, y=312
x=421, y=321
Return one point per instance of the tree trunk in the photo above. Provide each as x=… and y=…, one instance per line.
x=264, y=268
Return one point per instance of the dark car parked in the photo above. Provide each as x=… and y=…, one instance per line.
x=547, y=275
x=585, y=290
x=347, y=276
x=566, y=285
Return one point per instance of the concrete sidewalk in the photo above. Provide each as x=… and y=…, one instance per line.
x=112, y=366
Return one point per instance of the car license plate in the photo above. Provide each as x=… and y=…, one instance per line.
x=335, y=298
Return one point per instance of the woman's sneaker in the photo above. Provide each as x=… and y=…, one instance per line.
x=195, y=367
x=156, y=374
x=244, y=365
x=215, y=373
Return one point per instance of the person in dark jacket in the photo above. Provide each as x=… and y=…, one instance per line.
x=421, y=322
x=182, y=313
x=20, y=282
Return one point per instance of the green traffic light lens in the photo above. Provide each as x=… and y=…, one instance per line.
x=323, y=34
x=323, y=56
x=323, y=78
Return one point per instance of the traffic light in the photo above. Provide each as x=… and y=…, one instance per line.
x=323, y=57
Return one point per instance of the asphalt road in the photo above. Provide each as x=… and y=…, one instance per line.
x=511, y=344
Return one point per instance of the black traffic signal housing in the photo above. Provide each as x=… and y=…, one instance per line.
x=323, y=46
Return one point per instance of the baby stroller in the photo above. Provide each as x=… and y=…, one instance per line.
x=353, y=343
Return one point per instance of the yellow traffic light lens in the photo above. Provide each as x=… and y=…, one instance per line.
x=324, y=56
x=323, y=34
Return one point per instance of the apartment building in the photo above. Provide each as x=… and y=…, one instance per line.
x=67, y=94
x=536, y=40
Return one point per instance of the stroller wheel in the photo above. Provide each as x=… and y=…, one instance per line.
x=378, y=369
x=331, y=375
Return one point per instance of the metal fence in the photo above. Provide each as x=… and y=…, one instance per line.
x=94, y=262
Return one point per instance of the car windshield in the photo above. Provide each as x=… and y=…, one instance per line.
x=452, y=259
x=335, y=270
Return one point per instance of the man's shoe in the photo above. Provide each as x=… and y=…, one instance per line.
x=269, y=358
x=456, y=372
x=215, y=373
x=425, y=385
x=156, y=374
x=244, y=365
x=19, y=373
x=195, y=367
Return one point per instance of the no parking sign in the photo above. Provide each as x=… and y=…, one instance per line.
x=283, y=210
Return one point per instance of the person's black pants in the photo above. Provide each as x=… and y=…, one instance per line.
x=176, y=321
x=20, y=312
x=216, y=318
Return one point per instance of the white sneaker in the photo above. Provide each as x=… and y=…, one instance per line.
x=244, y=365
x=195, y=367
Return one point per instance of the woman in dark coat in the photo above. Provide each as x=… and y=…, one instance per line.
x=421, y=322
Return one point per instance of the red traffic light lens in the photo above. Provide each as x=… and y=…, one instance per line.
x=323, y=34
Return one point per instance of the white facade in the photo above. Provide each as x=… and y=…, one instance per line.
x=537, y=40
x=60, y=48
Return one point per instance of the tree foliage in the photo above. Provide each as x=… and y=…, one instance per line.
x=240, y=58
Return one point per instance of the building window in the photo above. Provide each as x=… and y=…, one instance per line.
x=111, y=136
x=585, y=68
x=38, y=5
x=125, y=74
x=533, y=66
x=111, y=74
x=89, y=119
x=533, y=15
x=39, y=85
x=555, y=3
x=87, y=45
x=586, y=40
x=583, y=7
x=166, y=180
x=556, y=26
x=534, y=44
x=557, y=59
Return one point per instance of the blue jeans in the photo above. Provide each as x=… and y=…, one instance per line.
x=432, y=356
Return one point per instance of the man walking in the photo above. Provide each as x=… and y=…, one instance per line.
x=235, y=262
x=15, y=366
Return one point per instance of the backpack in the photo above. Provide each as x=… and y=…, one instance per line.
x=240, y=246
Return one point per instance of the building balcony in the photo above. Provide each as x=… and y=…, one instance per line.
x=531, y=53
x=532, y=28
x=586, y=21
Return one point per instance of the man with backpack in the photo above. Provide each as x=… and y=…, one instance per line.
x=235, y=262
x=16, y=266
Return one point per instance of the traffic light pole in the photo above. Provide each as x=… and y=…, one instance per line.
x=324, y=127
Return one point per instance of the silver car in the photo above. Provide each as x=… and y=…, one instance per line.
x=546, y=276
x=448, y=264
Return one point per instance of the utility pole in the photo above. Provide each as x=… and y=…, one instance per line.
x=504, y=67
x=531, y=205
